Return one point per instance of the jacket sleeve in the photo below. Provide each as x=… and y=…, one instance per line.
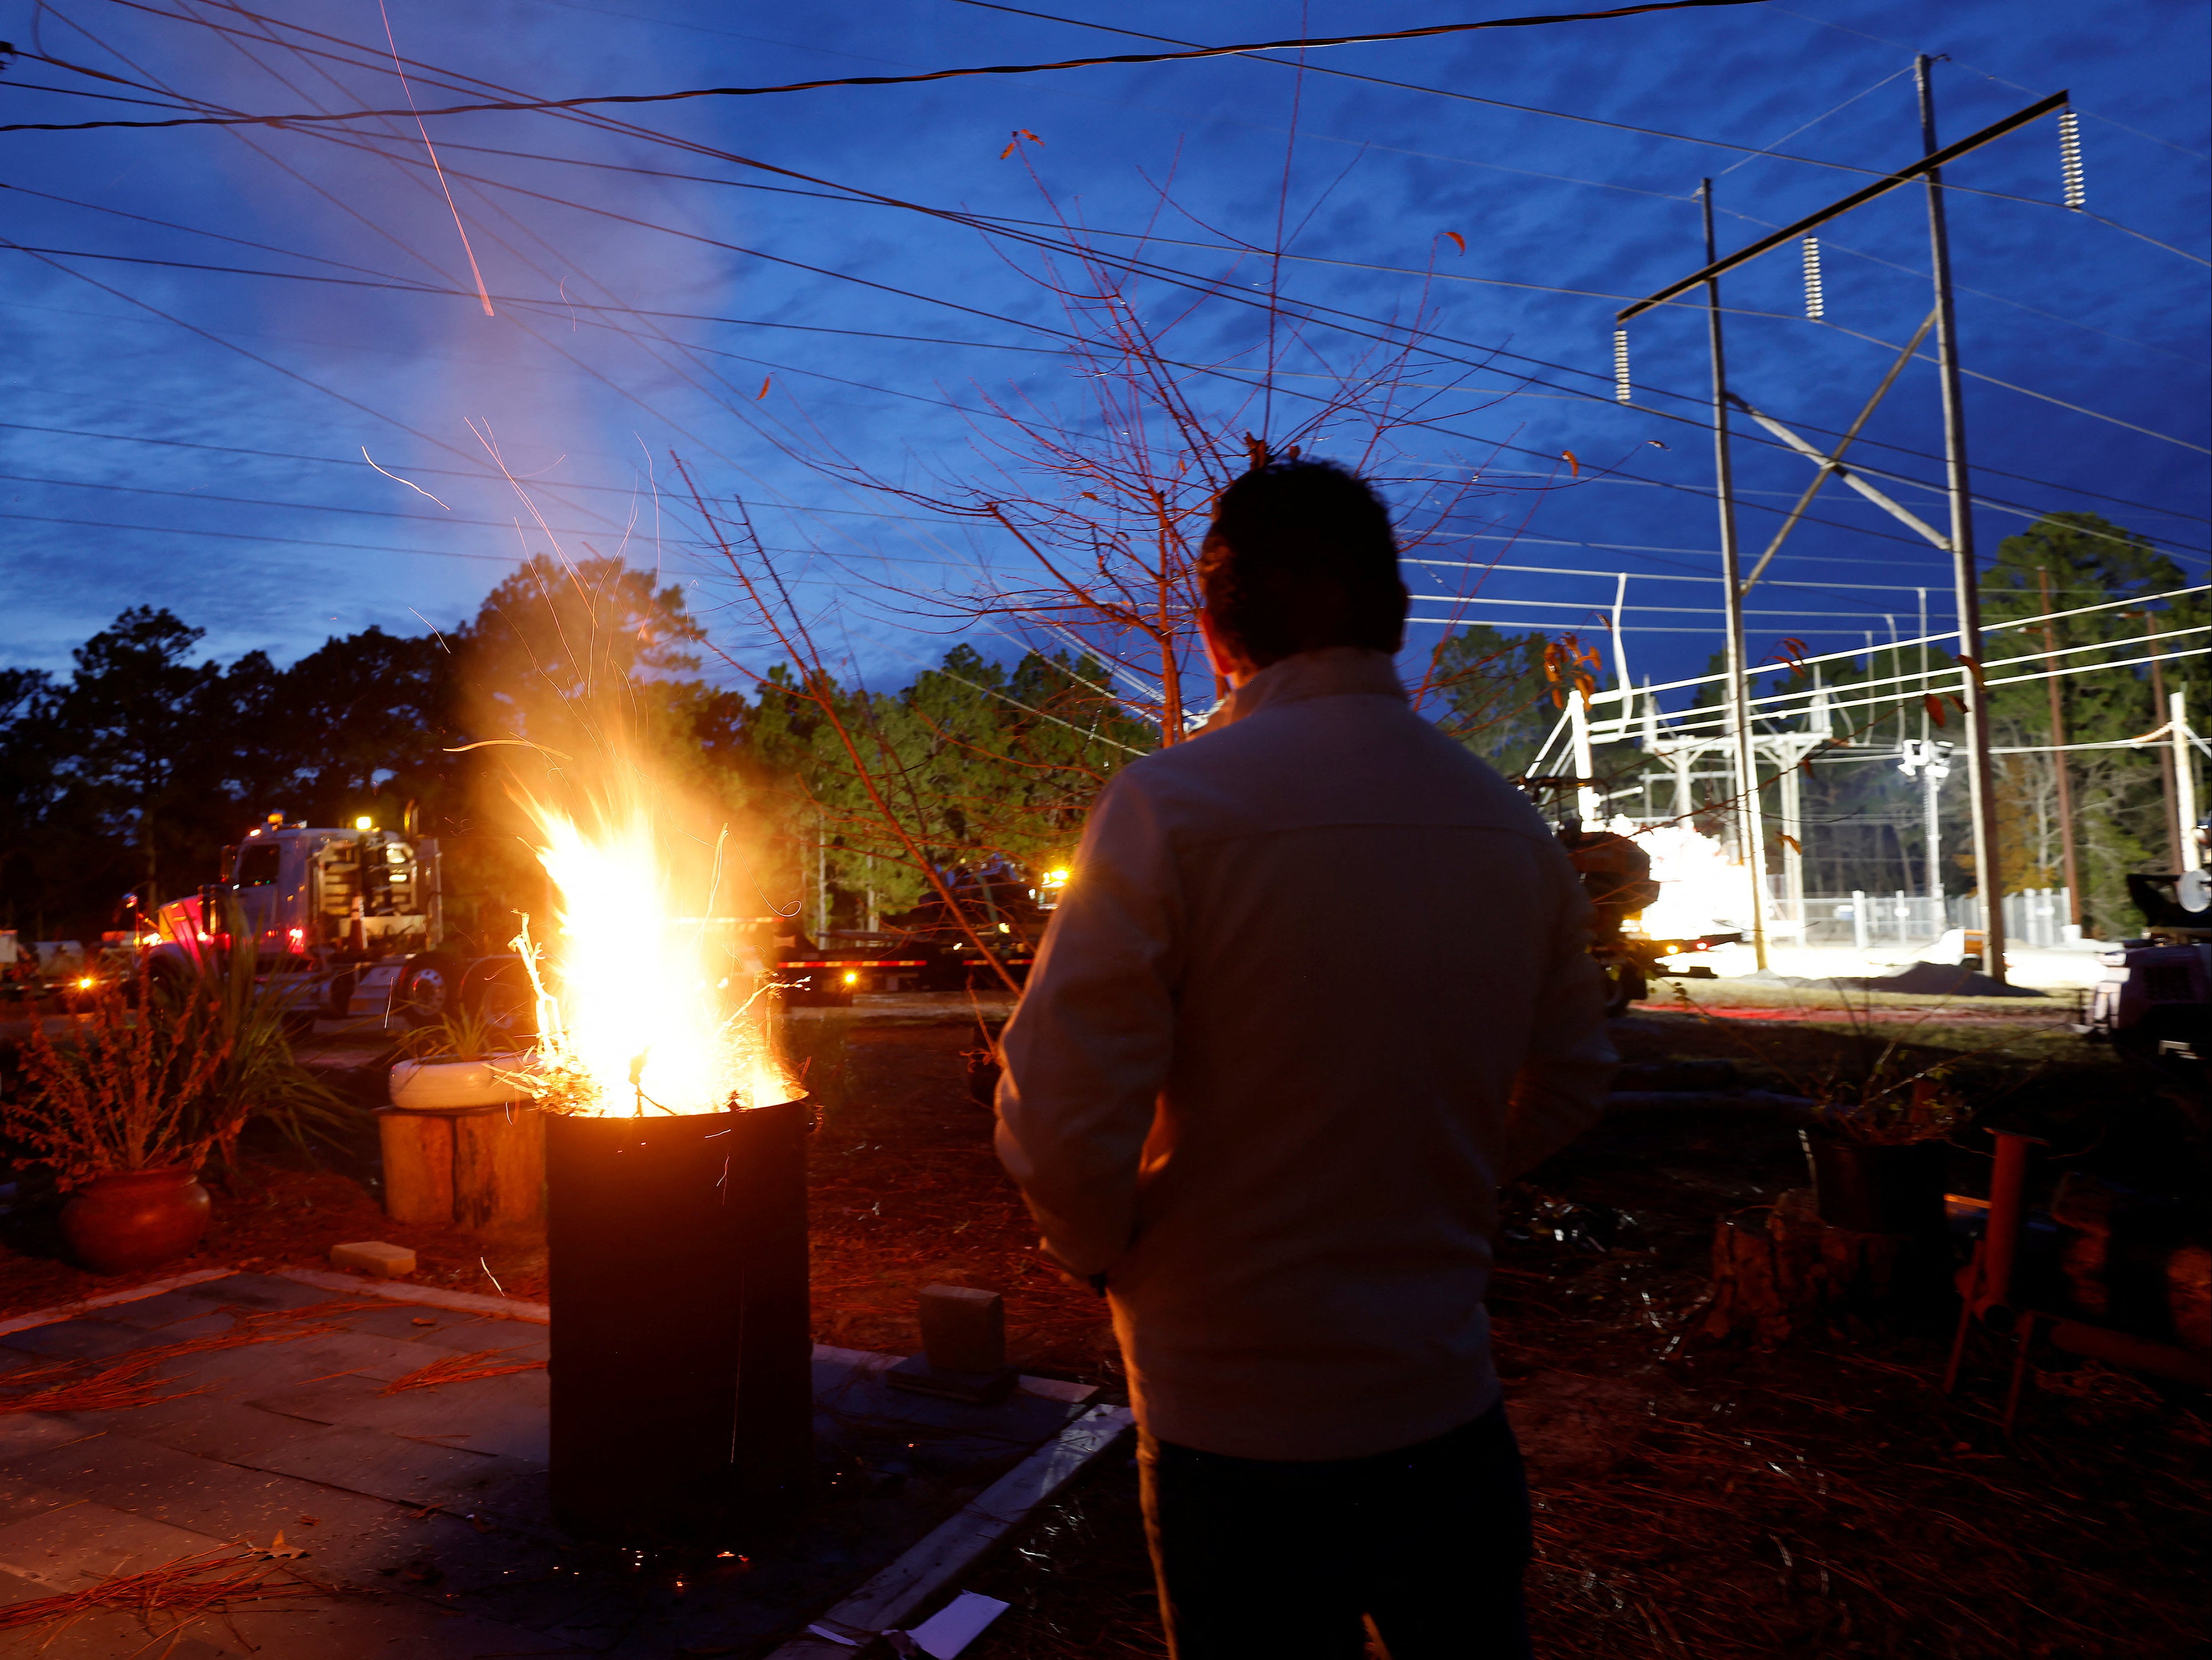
x=1087, y=1052
x=1561, y=1090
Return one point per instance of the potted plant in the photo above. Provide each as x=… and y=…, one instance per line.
x=147, y=1081
x=125, y=1109
x=1877, y=1155
x=1880, y=1119
x=463, y=1063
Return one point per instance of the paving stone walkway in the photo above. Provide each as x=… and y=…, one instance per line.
x=428, y=1506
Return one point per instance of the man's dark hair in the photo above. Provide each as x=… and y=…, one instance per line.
x=1300, y=556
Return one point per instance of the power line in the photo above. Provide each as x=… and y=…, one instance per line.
x=307, y=118
x=1162, y=272
x=1881, y=40
x=1168, y=271
x=1749, y=151
x=262, y=501
x=88, y=92
x=1737, y=311
x=550, y=305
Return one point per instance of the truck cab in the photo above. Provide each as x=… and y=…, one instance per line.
x=342, y=915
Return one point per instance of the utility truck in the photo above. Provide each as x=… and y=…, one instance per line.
x=347, y=923
x=344, y=922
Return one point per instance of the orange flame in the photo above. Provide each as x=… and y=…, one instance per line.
x=642, y=1008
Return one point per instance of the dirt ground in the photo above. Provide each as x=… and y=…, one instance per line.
x=1694, y=1497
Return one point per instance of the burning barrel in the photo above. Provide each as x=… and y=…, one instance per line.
x=682, y=1408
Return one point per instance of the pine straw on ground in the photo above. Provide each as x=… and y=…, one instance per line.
x=127, y=1382
x=1715, y=1503
x=459, y=1369
x=908, y=1193
x=1824, y=1500
x=210, y=1585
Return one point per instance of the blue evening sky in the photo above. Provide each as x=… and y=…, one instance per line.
x=196, y=439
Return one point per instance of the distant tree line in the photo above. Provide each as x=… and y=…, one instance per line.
x=133, y=771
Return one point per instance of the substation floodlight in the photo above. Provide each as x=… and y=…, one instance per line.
x=1621, y=390
x=1928, y=755
x=1815, y=303
x=2069, y=159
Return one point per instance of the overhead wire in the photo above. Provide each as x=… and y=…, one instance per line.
x=500, y=184
x=590, y=100
x=1881, y=40
x=550, y=307
x=367, y=61
x=1748, y=150
x=248, y=140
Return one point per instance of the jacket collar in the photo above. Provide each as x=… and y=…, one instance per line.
x=1332, y=671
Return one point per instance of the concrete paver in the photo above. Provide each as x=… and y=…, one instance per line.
x=22, y=1433
x=66, y=1549
x=73, y=1340
x=505, y=1414
x=429, y=1508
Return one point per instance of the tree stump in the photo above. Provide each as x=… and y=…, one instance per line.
x=499, y=1167
x=1780, y=1269
x=478, y=1169
x=418, y=1165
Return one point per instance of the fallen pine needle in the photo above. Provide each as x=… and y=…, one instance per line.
x=457, y=1369
x=70, y=1386
x=191, y=1588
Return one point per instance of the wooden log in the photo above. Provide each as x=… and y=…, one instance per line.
x=1781, y=1269
x=499, y=1167
x=418, y=1165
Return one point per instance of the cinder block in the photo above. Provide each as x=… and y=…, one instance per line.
x=375, y=1257
x=963, y=1330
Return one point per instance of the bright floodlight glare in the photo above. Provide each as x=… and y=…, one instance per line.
x=361, y=823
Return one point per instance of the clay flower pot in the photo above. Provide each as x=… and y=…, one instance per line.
x=136, y=1219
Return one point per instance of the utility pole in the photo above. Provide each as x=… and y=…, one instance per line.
x=2177, y=834
x=2058, y=762
x=1589, y=806
x=1960, y=542
x=2185, y=766
x=1751, y=827
x=1988, y=875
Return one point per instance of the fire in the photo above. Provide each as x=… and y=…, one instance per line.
x=1701, y=888
x=642, y=1006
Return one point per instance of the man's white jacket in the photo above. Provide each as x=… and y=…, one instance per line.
x=1320, y=984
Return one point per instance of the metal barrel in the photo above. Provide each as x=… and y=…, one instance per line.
x=681, y=1406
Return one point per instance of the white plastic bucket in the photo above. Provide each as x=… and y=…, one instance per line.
x=458, y=1086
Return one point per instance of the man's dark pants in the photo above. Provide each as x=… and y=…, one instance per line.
x=1264, y=1560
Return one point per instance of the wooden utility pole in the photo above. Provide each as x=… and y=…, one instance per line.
x=1751, y=826
x=2058, y=761
x=1989, y=875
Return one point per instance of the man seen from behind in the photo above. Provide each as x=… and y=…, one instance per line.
x=1320, y=985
